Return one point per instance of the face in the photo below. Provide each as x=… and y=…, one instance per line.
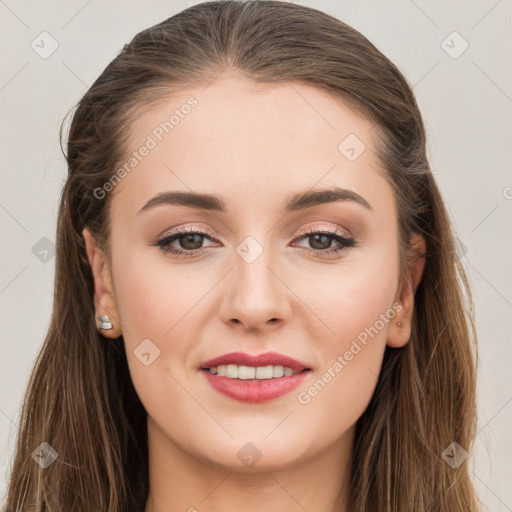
x=305, y=291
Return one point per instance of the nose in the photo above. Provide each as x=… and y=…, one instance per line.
x=255, y=295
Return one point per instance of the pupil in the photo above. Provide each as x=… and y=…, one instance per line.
x=315, y=239
x=190, y=238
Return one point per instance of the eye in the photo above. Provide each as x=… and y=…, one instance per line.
x=189, y=241
x=321, y=241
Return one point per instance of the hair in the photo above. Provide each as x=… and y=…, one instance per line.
x=80, y=398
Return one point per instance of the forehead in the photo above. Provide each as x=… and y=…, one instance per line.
x=248, y=142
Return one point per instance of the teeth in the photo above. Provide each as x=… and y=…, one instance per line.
x=234, y=371
x=278, y=371
x=264, y=372
x=246, y=372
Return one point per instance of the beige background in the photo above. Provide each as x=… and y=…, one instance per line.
x=466, y=102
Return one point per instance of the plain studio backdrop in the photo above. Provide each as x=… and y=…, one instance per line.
x=457, y=57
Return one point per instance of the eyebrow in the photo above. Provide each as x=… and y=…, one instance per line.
x=296, y=202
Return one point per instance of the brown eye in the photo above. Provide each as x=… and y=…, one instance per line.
x=183, y=243
x=320, y=242
x=191, y=242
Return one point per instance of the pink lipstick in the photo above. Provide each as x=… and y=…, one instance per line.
x=254, y=379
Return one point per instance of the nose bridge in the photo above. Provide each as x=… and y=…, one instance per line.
x=256, y=295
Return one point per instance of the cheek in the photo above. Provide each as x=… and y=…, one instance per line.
x=352, y=295
x=152, y=297
x=154, y=305
x=362, y=312
x=356, y=307
x=351, y=362
x=333, y=402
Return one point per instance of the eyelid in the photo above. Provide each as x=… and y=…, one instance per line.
x=346, y=242
x=188, y=229
x=213, y=234
x=325, y=229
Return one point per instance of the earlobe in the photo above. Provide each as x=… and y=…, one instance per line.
x=399, y=331
x=104, y=298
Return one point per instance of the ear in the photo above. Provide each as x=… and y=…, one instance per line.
x=399, y=335
x=104, y=298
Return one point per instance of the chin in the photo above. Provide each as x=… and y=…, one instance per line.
x=256, y=453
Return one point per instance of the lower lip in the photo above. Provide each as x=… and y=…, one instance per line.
x=255, y=391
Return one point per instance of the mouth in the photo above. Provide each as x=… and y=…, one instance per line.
x=254, y=379
x=233, y=371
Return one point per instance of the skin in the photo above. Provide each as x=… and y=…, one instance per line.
x=253, y=145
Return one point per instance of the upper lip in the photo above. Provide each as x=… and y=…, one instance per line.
x=266, y=359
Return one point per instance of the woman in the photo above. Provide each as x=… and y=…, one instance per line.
x=258, y=303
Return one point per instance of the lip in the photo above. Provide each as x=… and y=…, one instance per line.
x=266, y=359
x=253, y=390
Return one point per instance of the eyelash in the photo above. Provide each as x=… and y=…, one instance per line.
x=346, y=242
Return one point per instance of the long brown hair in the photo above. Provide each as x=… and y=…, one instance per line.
x=80, y=398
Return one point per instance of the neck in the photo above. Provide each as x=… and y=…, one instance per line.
x=180, y=482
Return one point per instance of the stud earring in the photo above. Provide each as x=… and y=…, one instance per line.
x=105, y=322
x=399, y=324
